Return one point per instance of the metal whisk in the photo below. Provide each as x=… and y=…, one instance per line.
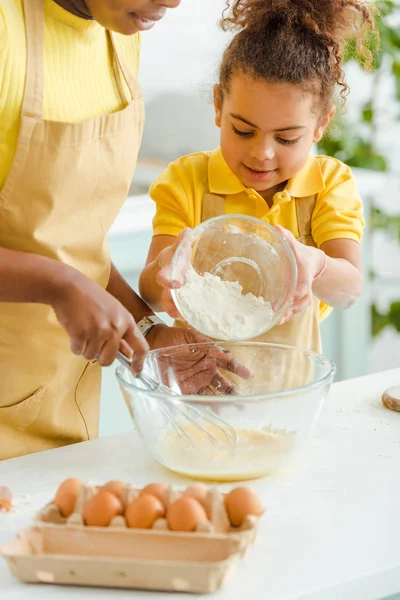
x=181, y=414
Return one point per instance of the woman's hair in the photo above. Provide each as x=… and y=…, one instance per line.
x=295, y=41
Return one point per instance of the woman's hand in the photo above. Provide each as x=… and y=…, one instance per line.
x=196, y=368
x=96, y=322
x=310, y=264
x=163, y=261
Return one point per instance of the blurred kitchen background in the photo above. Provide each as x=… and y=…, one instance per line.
x=179, y=62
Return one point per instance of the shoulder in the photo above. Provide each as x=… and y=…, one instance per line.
x=11, y=14
x=12, y=53
x=11, y=20
x=189, y=169
x=12, y=31
x=194, y=161
x=334, y=171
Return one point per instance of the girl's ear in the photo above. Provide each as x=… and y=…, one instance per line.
x=217, y=106
x=323, y=124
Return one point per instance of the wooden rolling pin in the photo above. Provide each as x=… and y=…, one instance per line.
x=391, y=398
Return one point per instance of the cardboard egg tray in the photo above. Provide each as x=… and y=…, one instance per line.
x=214, y=506
x=121, y=558
x=65, y=551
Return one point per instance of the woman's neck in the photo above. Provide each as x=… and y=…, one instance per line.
x=76, y=7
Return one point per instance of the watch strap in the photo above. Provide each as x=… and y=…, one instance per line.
x=148, y=322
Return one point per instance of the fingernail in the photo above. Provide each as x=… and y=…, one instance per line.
x=175, y=285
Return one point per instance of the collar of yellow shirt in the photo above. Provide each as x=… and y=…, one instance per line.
x=223, y=181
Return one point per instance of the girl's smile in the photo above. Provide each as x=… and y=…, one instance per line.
x=260, y=174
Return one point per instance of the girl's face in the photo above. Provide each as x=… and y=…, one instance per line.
x=129, y=16
x=267, y=130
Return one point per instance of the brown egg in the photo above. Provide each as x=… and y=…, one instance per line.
x=143, y=511
x=6, y=498
x=155, y=489
x=198, y=491
x=5, y=505
x=185, y=514
x=115, y=487
x=240, y=503
x=101, y=509
x=66, y=496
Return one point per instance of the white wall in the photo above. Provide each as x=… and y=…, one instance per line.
x=183, y=50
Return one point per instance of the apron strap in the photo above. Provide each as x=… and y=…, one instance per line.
x=119, y=66
x=32, y=105
x=304, y=211
x=213, y=205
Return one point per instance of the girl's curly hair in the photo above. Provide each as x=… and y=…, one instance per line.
x=296, y=41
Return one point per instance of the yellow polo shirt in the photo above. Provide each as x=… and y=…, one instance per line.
x=179, y=192
x=79, y=79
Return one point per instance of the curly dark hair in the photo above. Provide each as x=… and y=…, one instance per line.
x=296, y=41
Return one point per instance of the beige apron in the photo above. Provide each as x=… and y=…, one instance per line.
x=303, y=331
x=67, y=184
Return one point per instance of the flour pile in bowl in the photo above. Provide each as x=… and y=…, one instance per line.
x=220, y=310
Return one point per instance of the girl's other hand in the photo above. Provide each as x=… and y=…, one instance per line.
x=310, y=263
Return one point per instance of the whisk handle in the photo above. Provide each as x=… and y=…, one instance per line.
x=124, y=360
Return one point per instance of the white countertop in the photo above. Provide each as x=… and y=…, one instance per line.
x=332, y=527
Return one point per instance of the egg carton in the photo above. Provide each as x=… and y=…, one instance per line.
x=217, y=526
x=118, y=557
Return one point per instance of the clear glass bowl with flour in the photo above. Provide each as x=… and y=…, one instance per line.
x=257, y=430
x=236, y=273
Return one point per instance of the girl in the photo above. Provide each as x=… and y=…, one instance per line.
x=274, y=100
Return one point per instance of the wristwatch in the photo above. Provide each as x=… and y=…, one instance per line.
x=148, y=323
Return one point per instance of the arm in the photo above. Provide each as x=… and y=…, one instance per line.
x=31, y=278
x=332, y=273
x=341, y=284
x=122, y=291
x=95, y=321
x=333, y=270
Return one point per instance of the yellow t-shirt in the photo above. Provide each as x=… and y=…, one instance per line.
x=79, y=79
x=179, y=192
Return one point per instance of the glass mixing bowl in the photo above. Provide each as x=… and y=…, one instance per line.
x=228, y=437
x=241, y=249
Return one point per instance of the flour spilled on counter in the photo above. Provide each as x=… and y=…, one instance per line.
x=220, y=310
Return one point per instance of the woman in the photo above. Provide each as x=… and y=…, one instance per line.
x=71, y=118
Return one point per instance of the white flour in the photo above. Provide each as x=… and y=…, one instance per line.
x=218, y=308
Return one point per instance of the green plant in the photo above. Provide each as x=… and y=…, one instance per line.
x=354, y=141
x=381, y=220
x=382, y=320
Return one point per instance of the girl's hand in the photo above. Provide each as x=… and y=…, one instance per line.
x=310, y=264
x=164, y=260
x=196, y=364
